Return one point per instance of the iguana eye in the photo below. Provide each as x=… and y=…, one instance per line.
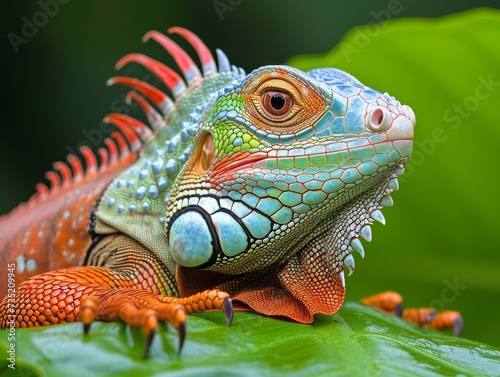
x=276, y=103
x=281, y=105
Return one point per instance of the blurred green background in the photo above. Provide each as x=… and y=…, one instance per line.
x=442, y=230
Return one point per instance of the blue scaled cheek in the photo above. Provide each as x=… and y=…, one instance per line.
x=232, y=238
x=190, y=240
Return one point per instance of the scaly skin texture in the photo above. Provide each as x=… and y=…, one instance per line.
x=258, y=186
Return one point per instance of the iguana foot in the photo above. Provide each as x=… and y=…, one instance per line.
x=139, y=308
x=392, y=302
x=91, y=293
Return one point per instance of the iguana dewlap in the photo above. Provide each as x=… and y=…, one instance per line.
x=255, y=185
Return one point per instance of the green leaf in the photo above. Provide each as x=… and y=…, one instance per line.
x=356, y=341
x=443, y=213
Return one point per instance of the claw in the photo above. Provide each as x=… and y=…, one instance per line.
x=86, y=328
x=182, y=336
x=227, y=308
x=458, y=326
x=149, y=341
x=398, y=309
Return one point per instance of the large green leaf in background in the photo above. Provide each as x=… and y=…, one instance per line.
x=441, y=229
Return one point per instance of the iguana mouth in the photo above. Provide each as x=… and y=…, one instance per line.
x=225, y=168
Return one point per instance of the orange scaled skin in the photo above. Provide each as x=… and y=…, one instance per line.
x=52, y=233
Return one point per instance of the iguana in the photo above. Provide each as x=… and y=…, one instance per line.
x=246, y=189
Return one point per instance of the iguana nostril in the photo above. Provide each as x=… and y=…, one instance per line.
x=379, y=119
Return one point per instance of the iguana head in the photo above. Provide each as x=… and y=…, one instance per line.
x=263, y=183
x=289, y=169
x=279, y=158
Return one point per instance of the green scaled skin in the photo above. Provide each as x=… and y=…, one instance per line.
x=262, y=184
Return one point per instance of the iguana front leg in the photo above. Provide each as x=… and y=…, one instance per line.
x=132, y=285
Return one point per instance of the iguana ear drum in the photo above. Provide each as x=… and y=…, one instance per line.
x=197, y=239
x=190, y=240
